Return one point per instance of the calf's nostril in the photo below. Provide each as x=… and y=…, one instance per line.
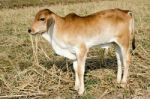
x=29, y=30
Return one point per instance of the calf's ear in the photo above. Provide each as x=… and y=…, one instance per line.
x=50, y=23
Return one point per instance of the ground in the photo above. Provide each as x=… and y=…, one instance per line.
x=29, y=68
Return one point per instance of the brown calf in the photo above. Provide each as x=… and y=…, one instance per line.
x=72, y=36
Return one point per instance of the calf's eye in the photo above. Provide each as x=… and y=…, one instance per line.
x=42, y=19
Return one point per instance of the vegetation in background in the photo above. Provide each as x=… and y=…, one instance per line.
x=27, y=3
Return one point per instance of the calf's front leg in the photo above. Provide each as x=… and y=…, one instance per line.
x=79, y=67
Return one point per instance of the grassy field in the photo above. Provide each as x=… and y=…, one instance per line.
x=27, y=3
x=32, y=70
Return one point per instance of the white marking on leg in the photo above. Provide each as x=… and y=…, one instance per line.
x=106, y=51
x=126, y=66
x=119, y=63
x=81, y=58
x=75, y=66
x=81, y=79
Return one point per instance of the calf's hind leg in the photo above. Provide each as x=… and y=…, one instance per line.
x=125, y=61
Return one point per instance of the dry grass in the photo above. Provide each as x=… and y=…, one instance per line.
x=30, y=69
x=29, y=3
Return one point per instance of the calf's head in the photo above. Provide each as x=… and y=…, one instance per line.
x=41, y=22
